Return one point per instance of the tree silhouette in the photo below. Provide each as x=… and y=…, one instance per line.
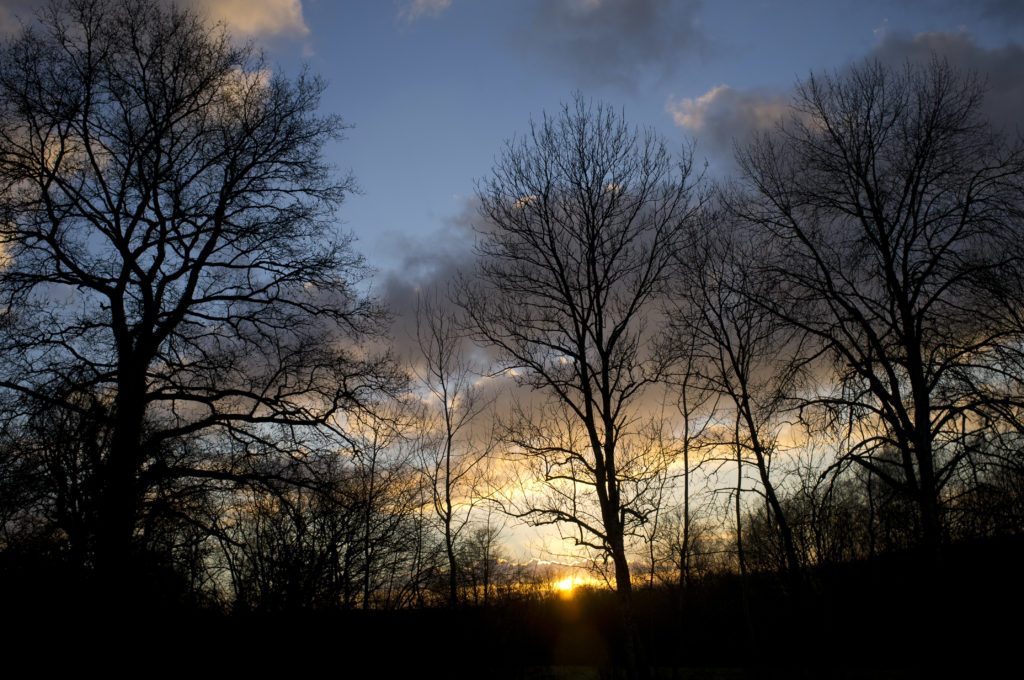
x=897, y=210
x=744, y=355
x=580, y=218
x=168, y=249
x=451, y=458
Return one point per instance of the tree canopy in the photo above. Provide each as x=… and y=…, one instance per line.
x=170, y=251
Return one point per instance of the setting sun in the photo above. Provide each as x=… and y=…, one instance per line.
x=567, y=586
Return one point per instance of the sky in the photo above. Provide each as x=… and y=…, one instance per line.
x=433, y=88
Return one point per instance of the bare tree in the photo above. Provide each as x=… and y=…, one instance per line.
x=697, y=408
x=743, y=354
x=387, y=489
x=580, y=217
x=451, y=454
x=898, y=211
x=481, y=555
x=168, y=247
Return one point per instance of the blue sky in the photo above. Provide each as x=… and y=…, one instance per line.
x=434, y=87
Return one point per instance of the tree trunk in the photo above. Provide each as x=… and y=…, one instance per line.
x=118, y=507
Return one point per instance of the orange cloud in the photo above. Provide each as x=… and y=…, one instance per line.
x=257, y=17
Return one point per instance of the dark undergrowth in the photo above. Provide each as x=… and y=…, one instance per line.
x=883, y=618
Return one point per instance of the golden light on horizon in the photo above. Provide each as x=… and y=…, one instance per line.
x=567, y=585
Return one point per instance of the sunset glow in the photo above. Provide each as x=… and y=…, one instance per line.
x=566, y=585
x=525, y=338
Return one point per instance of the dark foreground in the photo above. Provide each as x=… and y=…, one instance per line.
x=886, y=618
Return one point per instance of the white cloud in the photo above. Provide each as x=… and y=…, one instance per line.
x=417, y=9
x=690, y=113
x=257, y=17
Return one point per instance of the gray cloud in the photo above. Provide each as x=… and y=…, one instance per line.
x=15, y=12
x=613, y=41
x=724, y=116
x=997, y=11
x=428, y=263
x=1002, y=68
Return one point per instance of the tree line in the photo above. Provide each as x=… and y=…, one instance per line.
x=816, y=361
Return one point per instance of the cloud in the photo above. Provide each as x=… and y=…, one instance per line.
x=1006, y=12
x=13, y=13
x=724, y=116
x=412, y=10
x=251, y=18
x=999, y=14
x=244, y=18
x=429, y=262
x=1002, y=68
x=613, y=41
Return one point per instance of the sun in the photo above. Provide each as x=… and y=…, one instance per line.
x=566, y=585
